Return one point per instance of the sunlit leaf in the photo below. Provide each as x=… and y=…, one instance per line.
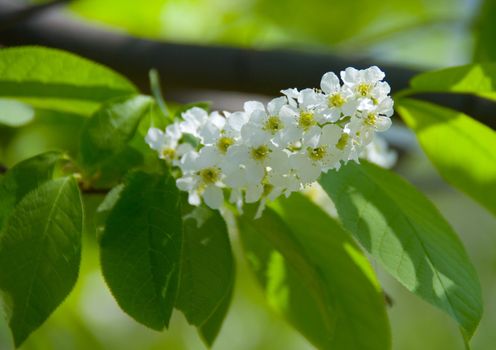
x=36, y=72
x=144, y=20
x=323, y=20
x=462, y=149
x=478, y=79
x=403, y=230
x=313, y=273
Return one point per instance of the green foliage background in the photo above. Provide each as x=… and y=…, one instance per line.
x=429, y=34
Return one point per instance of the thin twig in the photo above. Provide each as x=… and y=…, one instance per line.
x=91, y=190
x=157, y=91
x=388, y=299
x=84, y=189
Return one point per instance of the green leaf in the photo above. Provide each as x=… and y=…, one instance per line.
x=462, y=149
x=141, y=248
x=109, y=130
x=210, y=329
x=334, y=28
x=14, y=113
x=154, y=119
x=113, y=170
x=40, y=251
x=78, y=108
x=207, y=268
x=36, y=72
x=403, y=230
x=478, y=79
x=314, y=274
x=137, y=20
x=25, y=177
x=485, y=47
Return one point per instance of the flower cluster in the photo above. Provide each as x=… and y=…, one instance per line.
x=270, y=150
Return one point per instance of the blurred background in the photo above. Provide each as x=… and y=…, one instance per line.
x=405, y=36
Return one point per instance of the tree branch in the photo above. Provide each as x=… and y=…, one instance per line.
x=17, y=15
x=84, y=189
x=187, y=66
x=209, y=67
x=90, y=190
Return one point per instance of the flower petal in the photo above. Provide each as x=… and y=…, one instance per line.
x=253, y=193
x=155, y=139
x=251, y=106
x=382, y=123
x=330, y=134
x=213, y=197
x=330, y=83
x=236, y=120
x=311, y=137
x=274, y=106
x=350, y=76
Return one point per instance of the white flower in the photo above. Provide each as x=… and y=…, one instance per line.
x=194, y=118
x=336, y=100
x=364, y=126
x=263, y=124
x=245, y=166
x=263, y=152
x=382, y=106
x=210, y=130
x=166, y=143
x=293, y=95
x=202, y=176
x=379, y=153
x=366, y=84
x=300, y=120
x=319, y=152
x=235, y=122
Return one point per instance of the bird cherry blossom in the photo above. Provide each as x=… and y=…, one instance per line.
x=265, y=151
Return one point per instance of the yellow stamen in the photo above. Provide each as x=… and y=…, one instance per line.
x=273, y=124
x=342, y=142
x=371, y=119
x=260, y=153
x=306, y=120
x=364, y=89
x=168, y=153
x=210, y=175
x=317, y=153
x=336, y=100
x=224, y=143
